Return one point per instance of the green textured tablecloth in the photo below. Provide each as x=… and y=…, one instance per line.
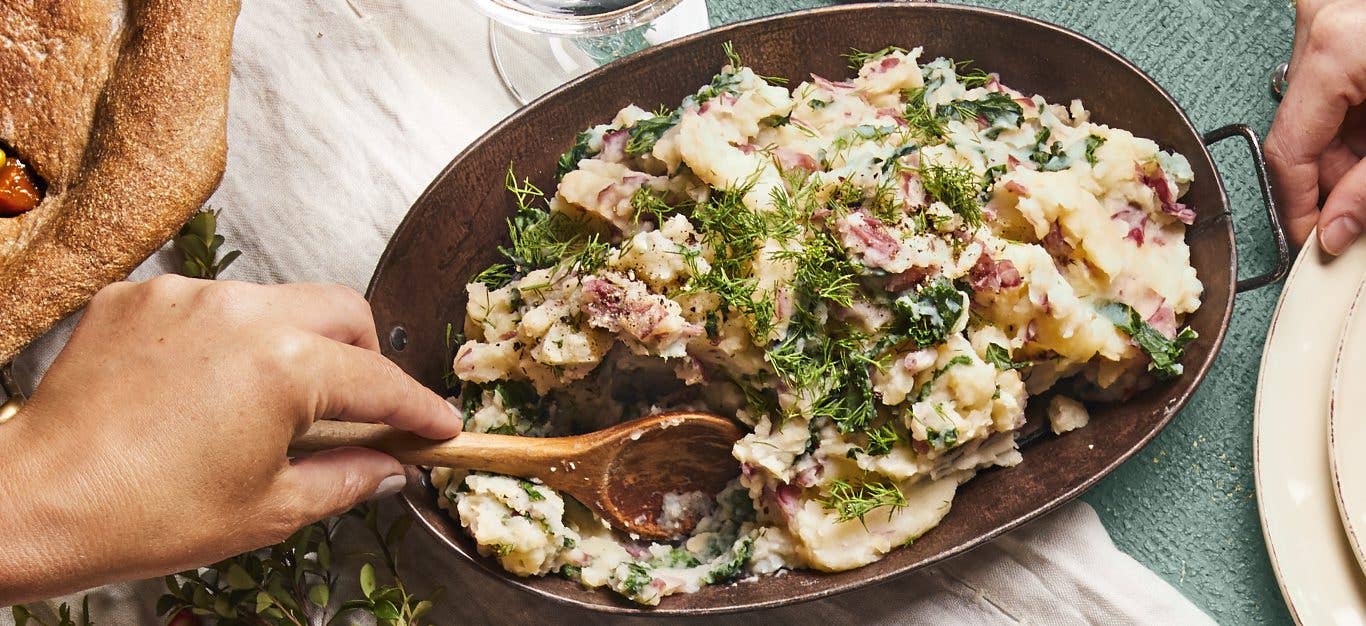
x=1185, y=506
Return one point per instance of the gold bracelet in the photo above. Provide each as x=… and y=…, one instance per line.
x=14, y=396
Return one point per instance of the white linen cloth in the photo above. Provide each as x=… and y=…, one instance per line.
x=341, y=112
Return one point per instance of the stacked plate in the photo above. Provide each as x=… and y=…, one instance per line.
x=1310, y=438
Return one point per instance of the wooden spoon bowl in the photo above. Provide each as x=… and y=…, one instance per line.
x=621, y=473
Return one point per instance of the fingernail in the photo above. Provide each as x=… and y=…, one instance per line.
x=1340, y=233
x=390, y=486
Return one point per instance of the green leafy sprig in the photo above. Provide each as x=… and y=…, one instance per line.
x=24, y=615
x=856, y=500
x=294, y=582
x=858, y=58
x=542, y=239
x=198, y=241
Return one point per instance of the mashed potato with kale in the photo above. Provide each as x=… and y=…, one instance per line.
x=873, y=275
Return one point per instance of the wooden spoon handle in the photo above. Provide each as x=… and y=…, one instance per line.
x=503, y=454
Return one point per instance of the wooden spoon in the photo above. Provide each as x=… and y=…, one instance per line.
x=621, y=473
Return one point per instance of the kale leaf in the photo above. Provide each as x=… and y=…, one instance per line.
x=1000, y=357
x=1164, y=353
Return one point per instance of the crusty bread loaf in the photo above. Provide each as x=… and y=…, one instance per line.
x=120, y=106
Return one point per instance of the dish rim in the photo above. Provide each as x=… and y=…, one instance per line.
x=419, y=488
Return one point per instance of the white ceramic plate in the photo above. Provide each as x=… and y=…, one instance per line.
x=1347, y=427
x=1314, y=563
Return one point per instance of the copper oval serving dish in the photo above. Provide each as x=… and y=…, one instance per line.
x=454, y=228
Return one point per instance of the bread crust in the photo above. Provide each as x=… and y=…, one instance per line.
x=121, y=107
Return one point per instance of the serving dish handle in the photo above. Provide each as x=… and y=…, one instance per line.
x=1254, y=145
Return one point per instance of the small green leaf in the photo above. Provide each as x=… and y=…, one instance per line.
x=201, y=597
x=386, y=610
x=222, y=607
x=324, y=556
x=193, y=247
x=393, y=595
x=367, y=579
x=166, y=603
x=352, y=605
x=421, y=608
x=999, y=356
x=191, y=269
x=319, y=594
x=263, y=601
x=203, y=224
x=21, y=615
x=238, y=578
x=228, y=259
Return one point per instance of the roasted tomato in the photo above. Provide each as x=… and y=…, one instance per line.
x=18, y=190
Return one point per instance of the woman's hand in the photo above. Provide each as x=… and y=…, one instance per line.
x=1318, y=139
x=157, y=440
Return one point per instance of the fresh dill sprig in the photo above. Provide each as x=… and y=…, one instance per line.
x=971, y=78
x=858, y=58
x=957, y=186
x=648, y=203
x=852, y=501
x=735, y=234
x=997, y=110
x=776, y=120
x=732, y=58
x=824, y=271
x=857, y=135
x=921, y=120
x=542, y=239
x=881, y=440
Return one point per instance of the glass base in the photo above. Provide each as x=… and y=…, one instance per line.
x=531, y=64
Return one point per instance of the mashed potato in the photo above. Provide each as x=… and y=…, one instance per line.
x=874, y=275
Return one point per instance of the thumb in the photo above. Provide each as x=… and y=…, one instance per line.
x=328, y=483
x=1344, y=212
